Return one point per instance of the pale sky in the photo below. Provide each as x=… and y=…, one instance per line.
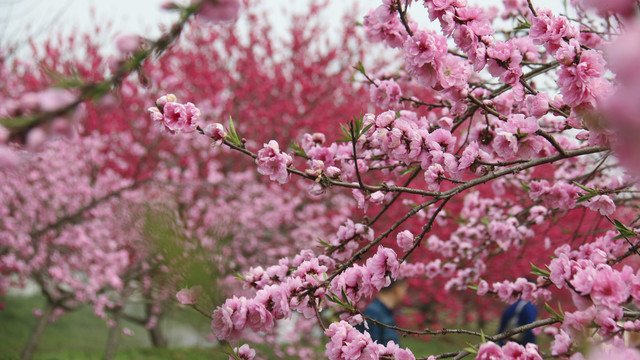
x=22, y=19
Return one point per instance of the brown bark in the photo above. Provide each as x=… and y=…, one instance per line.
x=38, y=331
x=113, y=337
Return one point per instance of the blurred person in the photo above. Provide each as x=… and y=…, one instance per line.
x=518, y=314
x=381, y=310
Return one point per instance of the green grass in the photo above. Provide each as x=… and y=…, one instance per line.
x=80, y=335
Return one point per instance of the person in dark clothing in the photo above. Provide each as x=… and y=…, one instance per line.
x=381, y=310
x=517, y=314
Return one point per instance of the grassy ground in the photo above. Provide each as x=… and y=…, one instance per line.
x=82, y=336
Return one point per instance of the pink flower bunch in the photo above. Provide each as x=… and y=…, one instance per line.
x=423, y=52
x=510, y=351
x=360, y=282
x=584, y=84
x=232, y=318
x=560, y=195
x=216, y=132
x=382, y=25
x=189, y=296
x=386, y=94
x=218, y=10
x=273, y=163
x=405, y=240
x=244, y=352
x=346, y=237
x=510, y=291
x=347, y=343
x=517, y=138
x=503, y=61
x=173, y=116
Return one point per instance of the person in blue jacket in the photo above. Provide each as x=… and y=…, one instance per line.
x=381, y=310
x=517, y=314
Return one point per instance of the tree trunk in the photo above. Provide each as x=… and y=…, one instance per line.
x=113, y=337
x=38, y=330
x=157, y=336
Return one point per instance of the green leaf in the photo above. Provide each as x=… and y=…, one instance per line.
x=551, y=311
x=471, y=349
x=239, y=277
x=473, y=287
x=583, y=187
x=525, y=186
x=539, y=271
x=366, y=128
x=520, y=135
x=324, y=243
x=233, y=136
x=360, y=68
x=523, y=24
x=298, y=150
x=346, y=134
x=484, y=339
x=624, y=231
x=590, y=193
x=409, y=170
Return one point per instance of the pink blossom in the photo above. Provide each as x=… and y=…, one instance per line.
x=453, y=72
x=216, y=132
x=515, y=351
x=433, y=177
x=164, y=99
x=602, y=204
x=394, y=350
x=405, y=240
x=490, y=351
x=483, y=288
x=608, y=288
x=218, y=10
x=380, y=27
x=127, y=43
x=560, y=195
x=517, y=138
x=229, y=319
x=386, y=95
x=8, y=158
x=258, y=318
x=176, y=117
x=583, y=83
x=613, y=352
x=537, y=105
x=578, y=321
x=384, y=261
x=422, y=52
x=244, y=352
x=274, y=163
x=561, y=343
x=189, y=296
x=348, y=343
x=333, y=172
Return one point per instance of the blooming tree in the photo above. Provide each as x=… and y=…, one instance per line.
x=500, y=141
x=546, y=147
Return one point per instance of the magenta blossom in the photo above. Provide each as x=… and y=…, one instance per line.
x=189, y=296
x=490, y=351
x=244, y=352
x=218, y=10
x=273, y=163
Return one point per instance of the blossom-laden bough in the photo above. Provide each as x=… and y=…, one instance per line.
x=497, y=122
